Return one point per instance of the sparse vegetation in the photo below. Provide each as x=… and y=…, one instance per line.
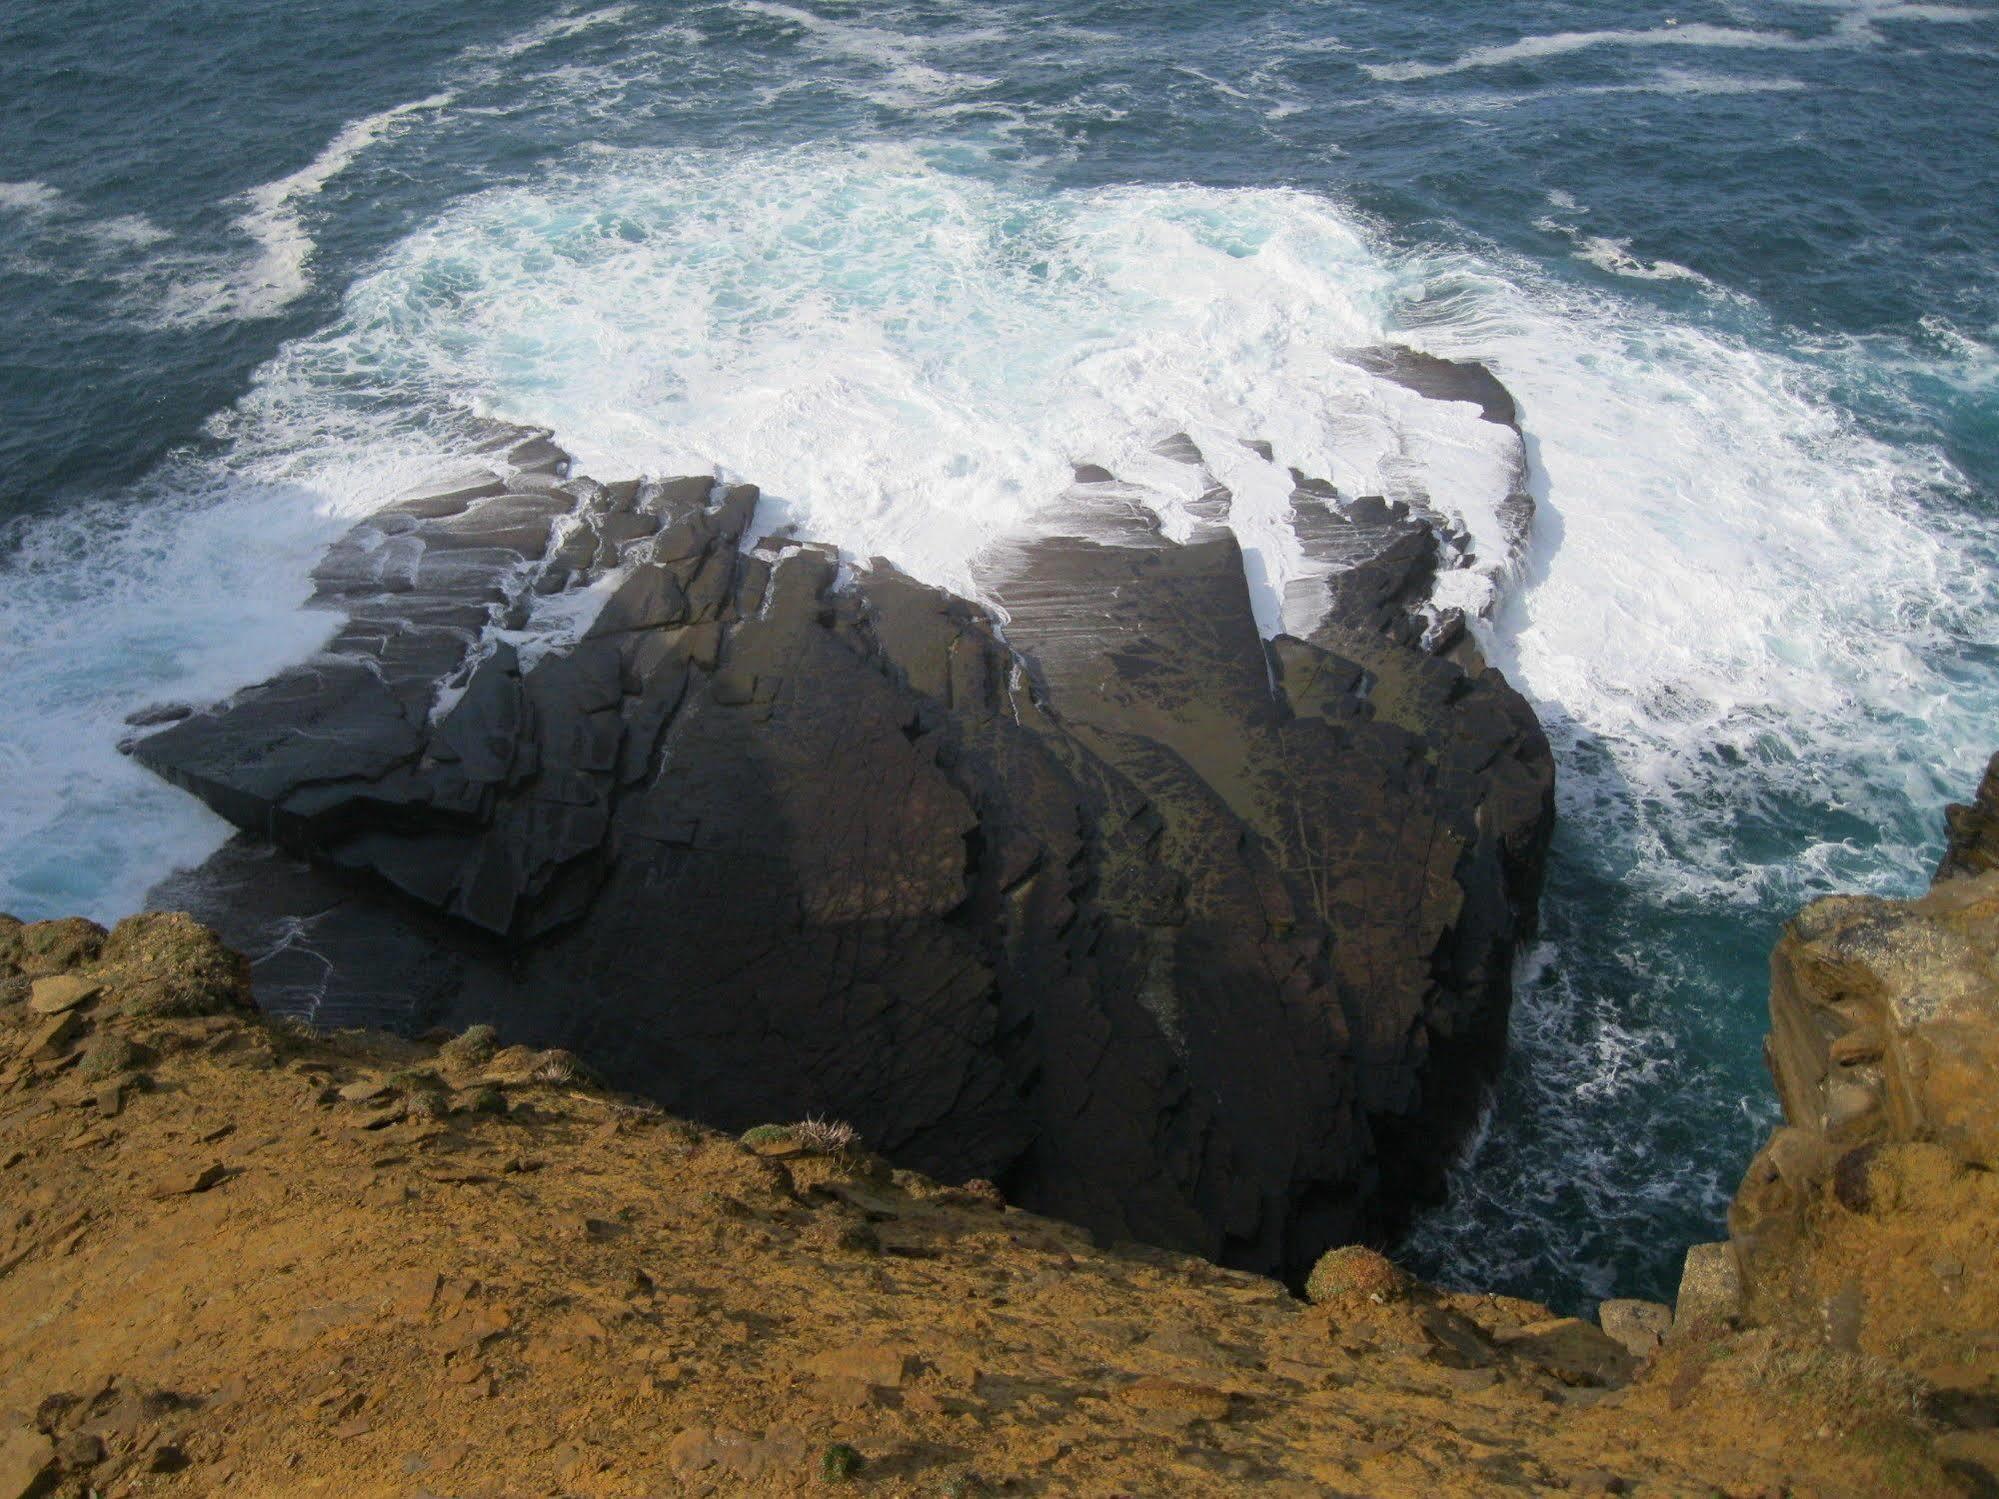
x=165, y=965
x=108, y=1055
x=556, y=1069
x=816, y=1135
x=474, y=1047
x=1840, y=1387
x=840, y=1463
x=486, y=1100
x=824, y=1136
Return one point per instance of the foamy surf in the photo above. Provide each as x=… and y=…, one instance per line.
x=1560, y=44
x=279, y=272
x=914, y=359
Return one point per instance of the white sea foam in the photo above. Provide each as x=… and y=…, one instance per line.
x=29, y=197
x=1857, y=26
x=1614, y=255
x=1557, y=44
x=1728, y=575
x=51, y=211
x=909, y=359
x=904, y=76
x=1859, y=20
x=279, y=272
x=183, y=290
x=181, y=592
x=559, y=29
x=1679, y=81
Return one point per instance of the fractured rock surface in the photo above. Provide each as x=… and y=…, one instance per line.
x=1866, y=1223
x=1186, y=936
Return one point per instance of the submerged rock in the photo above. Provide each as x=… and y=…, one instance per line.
x=1186, y=936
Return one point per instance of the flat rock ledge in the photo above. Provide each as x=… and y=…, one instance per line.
x=1182, y=935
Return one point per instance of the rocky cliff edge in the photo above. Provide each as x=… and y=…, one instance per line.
x=241, y=1256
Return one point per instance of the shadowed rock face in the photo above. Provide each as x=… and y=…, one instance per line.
x=1180, y=934
x=1971, y=844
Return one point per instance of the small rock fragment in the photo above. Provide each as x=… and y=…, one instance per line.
x=1641, y=1326
x=188, y=1182
x=1710, y=1286
x=52, y=996
x=1177, y=1399
x=78, y=1450
x=871, y=1363
x=53, y=1037
x=110, y=1054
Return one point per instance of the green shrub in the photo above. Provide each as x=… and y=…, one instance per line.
x=1354, y=1271
x=414, y=1080
x=839, y=1463
x=475, y=1046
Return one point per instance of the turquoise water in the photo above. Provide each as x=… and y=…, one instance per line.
x=901, y=263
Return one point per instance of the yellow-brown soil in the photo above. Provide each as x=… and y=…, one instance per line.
x=239, y=1258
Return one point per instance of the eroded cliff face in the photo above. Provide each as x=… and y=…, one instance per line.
x=1869, y=1224
x=242, y=1257
x=1184, y=935
x=1972, y=846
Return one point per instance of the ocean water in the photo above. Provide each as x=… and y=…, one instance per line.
x=902, y=263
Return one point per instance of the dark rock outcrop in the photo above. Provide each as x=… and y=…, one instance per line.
x=1179, y=934
x=1971, y=843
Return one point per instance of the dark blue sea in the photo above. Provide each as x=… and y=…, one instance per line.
x=261, y=264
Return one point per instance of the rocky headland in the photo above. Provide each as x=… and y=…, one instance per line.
x=687, y=1013
x=1088, y=890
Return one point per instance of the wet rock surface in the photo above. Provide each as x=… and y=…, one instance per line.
x=1184, y=935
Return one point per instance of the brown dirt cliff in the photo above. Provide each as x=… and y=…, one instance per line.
x=239, y=1257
